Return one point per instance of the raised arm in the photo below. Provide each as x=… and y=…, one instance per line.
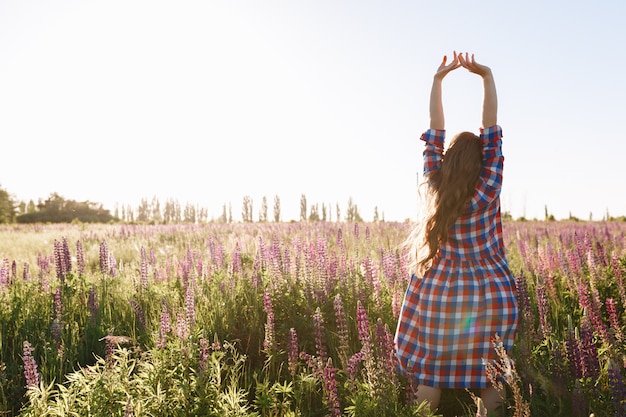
x=490, y=99
x=437, y=120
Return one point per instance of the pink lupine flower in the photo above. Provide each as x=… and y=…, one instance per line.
x=236, y=260
x=182, y=327
x=362, y=324
x=592, y=308
x=26, y=273
x=204, y=354
x=30, y=366
x=330, y=389
x=104, y=257
x=616, y=325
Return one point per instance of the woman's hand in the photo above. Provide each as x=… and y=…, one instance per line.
x=490, y=99
x=473, y=66
x=444, y=69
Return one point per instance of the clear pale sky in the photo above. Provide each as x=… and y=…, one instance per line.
x=209, y=101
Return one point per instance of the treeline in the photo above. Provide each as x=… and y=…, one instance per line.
x=57, y=209
x=153, y=211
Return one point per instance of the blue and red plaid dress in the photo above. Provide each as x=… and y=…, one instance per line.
x=450, y=316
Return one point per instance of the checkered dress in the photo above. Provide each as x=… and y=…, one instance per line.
x=449, y=316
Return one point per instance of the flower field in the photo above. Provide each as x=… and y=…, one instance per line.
x=286, y=319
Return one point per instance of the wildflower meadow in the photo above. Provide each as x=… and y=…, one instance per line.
x=287, y=319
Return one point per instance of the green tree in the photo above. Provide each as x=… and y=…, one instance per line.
x=7, y=207
x=57, y=209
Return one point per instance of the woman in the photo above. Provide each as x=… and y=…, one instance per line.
x=461, y=293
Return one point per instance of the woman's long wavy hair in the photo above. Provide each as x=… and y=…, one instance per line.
x=448, y=192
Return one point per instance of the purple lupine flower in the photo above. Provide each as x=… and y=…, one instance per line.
x=55, y=332
x=600, y=254
x=386, y=352
x=152, y=257
x=139, y=314
x=616, y=325
x=14, y=270
x=544, y=311
x=621, y=286
x=165, y=327
x=353, y=367
x=112, y=265
x=268, y=342
x=204, y=354
x=330, y=389
x=362, y=324
x=5, y=279
x=592, y=309
x=129, y=411
x=67, y=257
x=367, y=234
x=356, y=230
x=109, y=349
x=80, y=258
x=523, y=298
x=574, y=357
x=618, y=390
x=144, y=269
x=294, y=352
x=58, y=303
x=313, y=363
x=26, y=273
x=320, y=336
x=92, y=305
x=59, y=261
x=43, y=263
x=104, y=257
x=367, y=348
x=236, y=259
x=340, y=240
x=30, y=366
x=588, y=349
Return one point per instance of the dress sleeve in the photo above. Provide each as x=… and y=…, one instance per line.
x=433, y=152
x=490, y=181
